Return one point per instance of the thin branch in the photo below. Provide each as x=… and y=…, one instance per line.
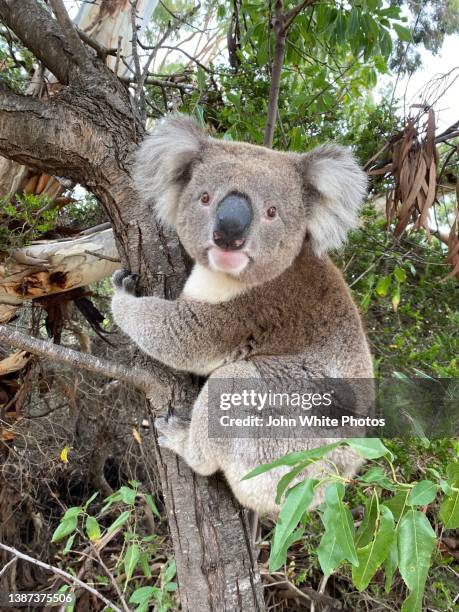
x=295, y=11
x=101, y=51
x=282, y=23
x=160, y=83
x=111, y=578
x=279, y=53
x=56, y=570
x=140, y=378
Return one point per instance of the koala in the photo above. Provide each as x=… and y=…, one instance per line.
x=263, y=298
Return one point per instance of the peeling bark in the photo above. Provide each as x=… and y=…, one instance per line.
x=49, y=267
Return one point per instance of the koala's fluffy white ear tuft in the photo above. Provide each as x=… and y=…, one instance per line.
x=164, y=160
x=333, y=172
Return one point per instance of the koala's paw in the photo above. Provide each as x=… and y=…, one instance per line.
x=123, y=280
x=174, y=432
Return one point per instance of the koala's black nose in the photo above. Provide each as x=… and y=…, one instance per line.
x=232, y=221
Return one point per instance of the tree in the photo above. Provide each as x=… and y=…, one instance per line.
x=88, y=132
x=308, y=67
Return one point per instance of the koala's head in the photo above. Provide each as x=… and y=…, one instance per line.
x=245, y=210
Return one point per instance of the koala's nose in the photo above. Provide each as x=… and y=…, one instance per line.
x=232, y=221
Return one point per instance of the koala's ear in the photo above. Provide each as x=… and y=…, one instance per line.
x=334, y=189
x=164, y=162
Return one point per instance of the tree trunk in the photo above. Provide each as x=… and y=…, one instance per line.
x=89, y=132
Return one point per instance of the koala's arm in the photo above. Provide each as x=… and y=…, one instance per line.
x=181, y=334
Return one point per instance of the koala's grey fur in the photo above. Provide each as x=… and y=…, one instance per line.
x=288, y=314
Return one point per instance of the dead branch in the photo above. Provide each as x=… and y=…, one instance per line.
x=56, y=570
x=142, y=379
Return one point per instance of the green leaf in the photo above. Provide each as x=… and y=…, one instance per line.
x=452, y=472
x=151, y=504
x=143, y=595
x=373, y=554
x=400, y=274
x=369, y=448
x=397, y=504
x=287, y=479
x=449, y=510
x=92, y=528
x=377, y=476
x=170, y=572
x=353, y=24
x=329, y=552
x=293, y=459
x=390, y=565
x=69, y=544
x=296, y=502
x=422, y=493
x=337, y=543
x=131, y=558
x=91, y=499
x=145, y=565
x=127, y=495
x=382, y=286
x=72, y=512
x=279, y=559
x=402, y=32
x=123, y=517
x=416, y=542
x=65, y=528
x=366, y=530
x=396, y=297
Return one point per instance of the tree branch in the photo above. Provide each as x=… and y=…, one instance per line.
x=142, y=379
x=38, y=31
x=79, y=55
x=279, y=53
x=282, y=23
x=295, y=11
x=48, y=135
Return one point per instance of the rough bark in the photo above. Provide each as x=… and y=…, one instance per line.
x=89, y=132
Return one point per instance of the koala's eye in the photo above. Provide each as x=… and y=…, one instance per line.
x=271, y=212
x=205, y=198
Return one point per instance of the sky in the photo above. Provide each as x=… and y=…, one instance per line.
x=416, y=88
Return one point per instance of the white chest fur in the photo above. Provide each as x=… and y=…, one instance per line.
x=206, y=285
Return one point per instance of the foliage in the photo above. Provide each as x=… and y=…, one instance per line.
x=25, y=219
x=133, y=567
x=395, y=533
x=410, y=307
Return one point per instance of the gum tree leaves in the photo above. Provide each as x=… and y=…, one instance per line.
x=416, y=542
x=449, y=509
x=296, y=503
x=372, y=555
x=337, y=543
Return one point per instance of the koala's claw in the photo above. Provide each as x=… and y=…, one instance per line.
x=125, y=281
x=174, y=432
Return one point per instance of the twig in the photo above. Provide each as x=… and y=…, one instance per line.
x=118, y=55
x=140, y=378
x=101, y=51
x=6, y=566
x=111, y=577
x=56, y=570
x=99, y=256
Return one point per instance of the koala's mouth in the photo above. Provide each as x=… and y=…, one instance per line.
x=230, y=262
